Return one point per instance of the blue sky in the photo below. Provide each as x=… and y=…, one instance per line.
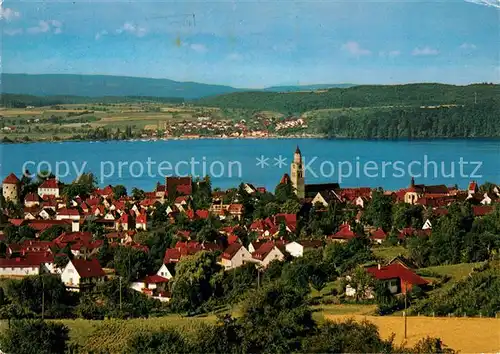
x=256, y=44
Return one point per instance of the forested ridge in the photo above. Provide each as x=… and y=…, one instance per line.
x=468, y=121
x=414, y=95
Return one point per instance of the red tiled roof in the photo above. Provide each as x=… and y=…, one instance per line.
x=202, y=214
x=171, y=255
x=345, y=232
x=51, y=183
x=232, y=238
x=378, y=234
x=141, y=218
x=32, y=197
x=11, y=179
x=30, y=260
x=154, y=279
x=40, y=225
x=68, y=237
x=235, y=208
x=88, y=268
x=263, y=250
x=231, y=251
x=481, y=210
x=65, y=211
x=396, y=270
x=18, y=222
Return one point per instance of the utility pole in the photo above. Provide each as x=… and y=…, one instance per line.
x=475, y=97
x=404, y=313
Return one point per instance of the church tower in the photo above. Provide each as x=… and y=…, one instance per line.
x=297, y=174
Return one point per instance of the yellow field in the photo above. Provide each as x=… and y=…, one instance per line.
x=468, y=335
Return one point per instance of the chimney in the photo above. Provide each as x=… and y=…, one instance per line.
x=412, y=183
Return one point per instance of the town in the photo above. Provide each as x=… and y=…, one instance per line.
x=145, y=241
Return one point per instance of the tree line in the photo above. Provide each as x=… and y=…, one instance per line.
x=414, y=95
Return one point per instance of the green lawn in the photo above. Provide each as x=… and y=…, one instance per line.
x=455, y=271
x=388, y=253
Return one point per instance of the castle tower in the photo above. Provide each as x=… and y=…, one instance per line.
x=11, y=188
x=297, y=174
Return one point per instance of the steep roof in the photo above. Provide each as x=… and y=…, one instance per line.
x=88, y=268
x=396, y=270
x=11, y=179
x=231, y=251
x=51, y=183
x=312, y=189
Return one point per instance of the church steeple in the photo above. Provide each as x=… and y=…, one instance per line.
x=297, y=174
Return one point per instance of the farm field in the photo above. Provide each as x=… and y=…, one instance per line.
x=468, y=335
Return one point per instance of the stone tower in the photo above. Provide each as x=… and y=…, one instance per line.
x=11, y=188
x=297, y=174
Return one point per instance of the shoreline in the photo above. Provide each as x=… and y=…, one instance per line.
x=271, y=137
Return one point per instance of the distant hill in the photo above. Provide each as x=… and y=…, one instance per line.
x=298, y=88
x=414, y=95
x=103, y=85
x=119, y=86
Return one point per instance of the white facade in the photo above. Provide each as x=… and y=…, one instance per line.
x=274, y=254
x=19, y=270
x=70, y=276
x=427, y=225
x=67, y=217
x=48, y=191
x=295, y=249
x=164, y=272
x=241, y=257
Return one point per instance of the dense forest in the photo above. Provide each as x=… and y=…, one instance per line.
x=22, y=101
x=469, y=121
x=359, y=96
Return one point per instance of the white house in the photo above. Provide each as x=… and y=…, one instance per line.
x=81, y=274
x=267, y=253
x=427, y=225
x=21, y=267
x=49, y=187
x=235, y=256
x=297, y=248
x=153, y=286
x=166, y=271
x=67, y=214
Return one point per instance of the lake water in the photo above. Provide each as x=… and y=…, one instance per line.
x=351, y=162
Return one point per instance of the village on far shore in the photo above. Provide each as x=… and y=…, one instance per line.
x=69, y=232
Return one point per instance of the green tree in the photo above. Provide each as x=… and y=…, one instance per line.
x=280, y=314
x=347, y=337
x=119, y=191
x=35, y=336
x=193, y=285
x=164, y=341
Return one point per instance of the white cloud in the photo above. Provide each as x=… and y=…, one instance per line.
x=467, y=46
x=99, y=34
x=53, y=26
x=132, y=29
x=355, y=49
x=13, y=32
x=197, y=47
x=235, y=57
x=491, y=3
x=424, y=51
x=8, y=14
